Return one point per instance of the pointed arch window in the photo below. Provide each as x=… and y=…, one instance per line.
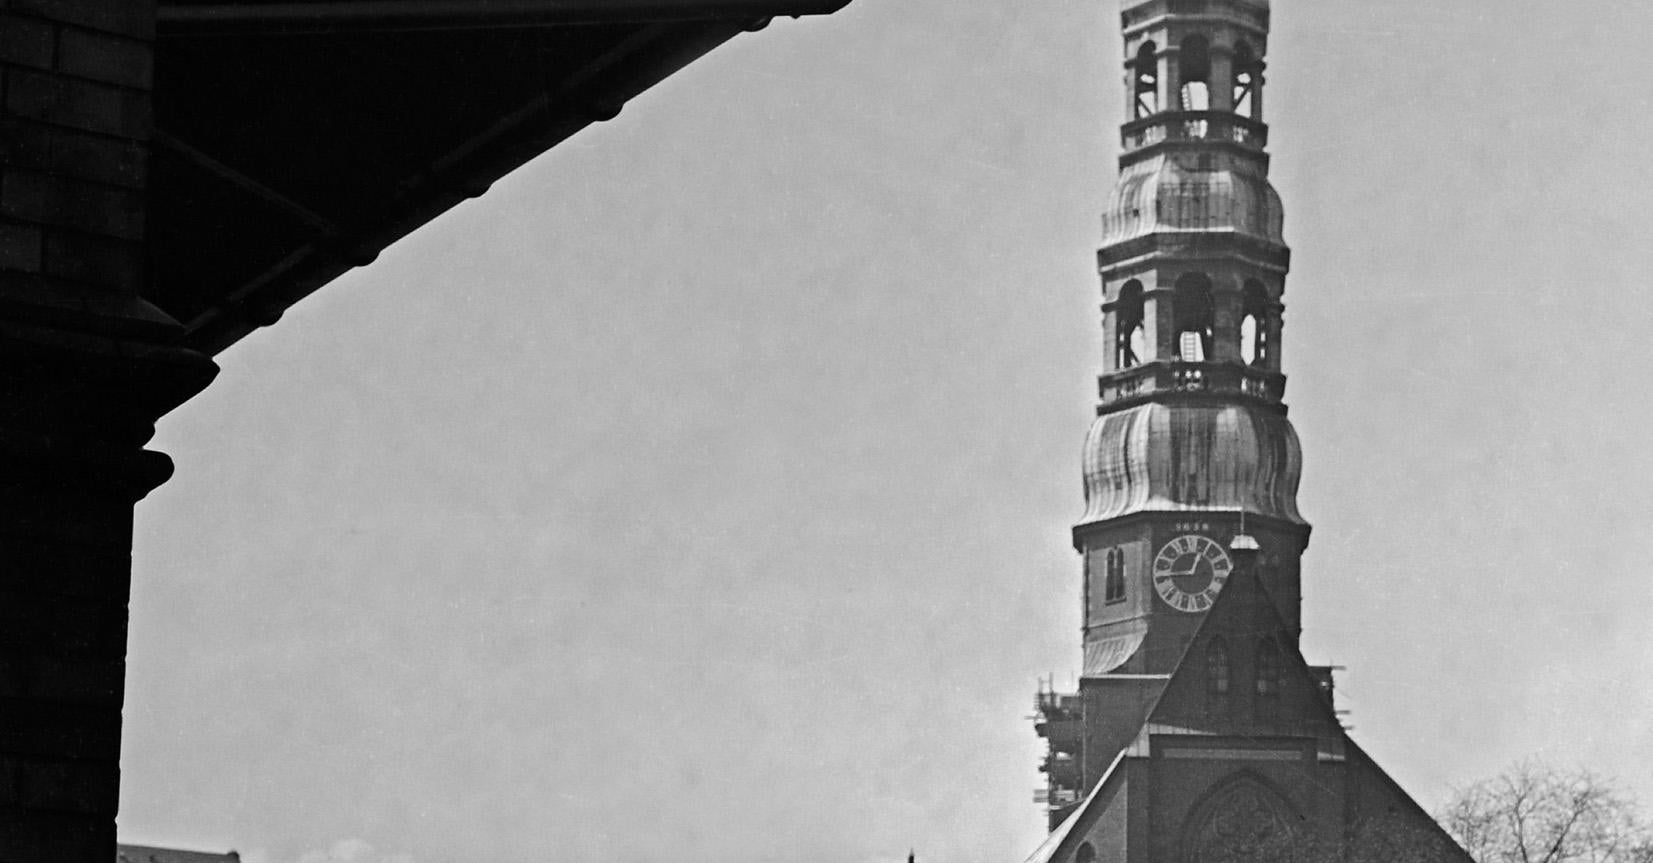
x=1270, y=669
x=1255, y=348
x=1113, y=589
x=1087, y=854
x=1130, y=338
x=1193, y=315
x=1216, y=667
x=1145, y=81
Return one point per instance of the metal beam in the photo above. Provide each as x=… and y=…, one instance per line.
x=177, y=18
x=318, y=222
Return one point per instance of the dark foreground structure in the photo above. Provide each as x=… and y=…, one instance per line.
x=148, y=854
x=174, y=176
x=1199, y=734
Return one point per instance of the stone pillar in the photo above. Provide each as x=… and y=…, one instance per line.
x=1222, y=78
x=1227, y=310
x=86, y=367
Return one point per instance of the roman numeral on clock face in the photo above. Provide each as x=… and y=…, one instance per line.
x=1189, y=571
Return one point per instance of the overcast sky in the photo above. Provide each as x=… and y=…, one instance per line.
x=702, y=492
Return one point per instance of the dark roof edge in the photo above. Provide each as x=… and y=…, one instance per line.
x=182, y=18
x=594, y=94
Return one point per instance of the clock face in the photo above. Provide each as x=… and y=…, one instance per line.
x=1189, y=571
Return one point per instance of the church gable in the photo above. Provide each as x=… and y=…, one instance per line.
x=1242, y=674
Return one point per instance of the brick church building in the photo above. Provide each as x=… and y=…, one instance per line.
x=1198, y=733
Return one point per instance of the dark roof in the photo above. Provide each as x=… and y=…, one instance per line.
x=295, y=140
x=147, y=854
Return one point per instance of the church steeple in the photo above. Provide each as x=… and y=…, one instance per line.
x=1191, y=446
x=1193, y=259
x=1191, y=436
x=1198, y=732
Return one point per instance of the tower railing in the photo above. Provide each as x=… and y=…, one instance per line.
x=1244, y=13
x=1177, y=376
x=1194, y=126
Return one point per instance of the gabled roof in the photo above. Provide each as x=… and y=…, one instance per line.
x=1057, y=841
x=1243, y=594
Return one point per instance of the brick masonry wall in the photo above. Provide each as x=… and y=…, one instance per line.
x=74, y=85
x=74, y=126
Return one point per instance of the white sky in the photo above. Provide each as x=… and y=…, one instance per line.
x=702, y=492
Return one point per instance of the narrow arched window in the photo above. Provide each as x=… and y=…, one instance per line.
x=1216, y=667
x=1270, y=669
x=1087, y=854
x=1194, y=72
x=1193, y=316
x=1247, y=76
x=1114, y=589
x=1254, y=342
x=1145, y=80
x=1130, y=339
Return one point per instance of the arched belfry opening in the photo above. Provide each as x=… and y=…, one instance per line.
x=1194, y=72
x=1193, y=316
x=1130, y=332
x=1255, y=346
x=1145, y=81
x=1248, y=79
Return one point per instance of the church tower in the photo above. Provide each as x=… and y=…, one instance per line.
x=1191, y=436
x=1198, y=733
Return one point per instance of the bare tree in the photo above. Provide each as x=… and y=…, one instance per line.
x=1538, y=814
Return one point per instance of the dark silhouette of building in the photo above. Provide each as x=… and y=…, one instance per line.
x=1198, y=732
x=146, y=854
x=174, y=175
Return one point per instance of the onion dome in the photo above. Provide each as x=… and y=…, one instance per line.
x=1192, y=458
x=1157, y=195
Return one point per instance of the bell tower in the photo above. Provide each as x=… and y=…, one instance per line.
x=1191, y=447
x=1198, y=732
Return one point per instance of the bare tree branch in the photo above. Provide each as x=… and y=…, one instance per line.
x=1534, y=813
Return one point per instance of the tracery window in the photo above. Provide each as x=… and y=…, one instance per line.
x=1244, y=822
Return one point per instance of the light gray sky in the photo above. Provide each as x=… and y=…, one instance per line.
x=702, y=492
